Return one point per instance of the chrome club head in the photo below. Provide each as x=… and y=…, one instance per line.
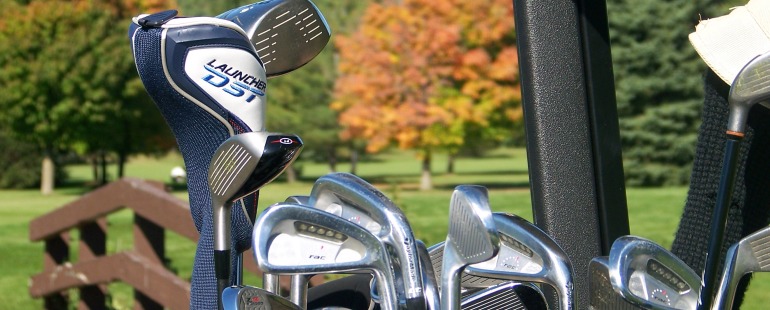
x=751, y=86
x=747, y=256
x=286, y=34
x=247, y=297
x=528, y=254
x=295, y=239
x=350, y=197
x=240, y=166
x=650, y=276
x=472, y=238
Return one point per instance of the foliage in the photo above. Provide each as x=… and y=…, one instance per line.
x=20, y=164
x=659, y=86
x=427, y=75
x=69, y=81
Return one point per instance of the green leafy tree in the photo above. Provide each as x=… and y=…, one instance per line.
x=68, y=80
x=659, y=85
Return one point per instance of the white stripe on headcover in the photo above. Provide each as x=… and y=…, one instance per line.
x=186, y=95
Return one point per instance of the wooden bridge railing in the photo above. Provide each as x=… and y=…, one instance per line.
x=155, y=210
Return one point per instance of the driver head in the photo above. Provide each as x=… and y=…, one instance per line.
x=751, y=86
x=648, y=275
x=286, y=34
x=294, y=239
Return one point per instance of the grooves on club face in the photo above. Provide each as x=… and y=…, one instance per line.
x=751, y=254
x=528, y=254
x=751, y=86
x=508, y=295
x=247, y=297
x=295, y=239
x=650, y=276
x=472, y=238
x=352, y=198
x=286, y=34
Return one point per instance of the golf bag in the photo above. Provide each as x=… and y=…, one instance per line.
x=209, y=84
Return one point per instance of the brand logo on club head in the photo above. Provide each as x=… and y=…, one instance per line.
x=233, y=81
x=285, y=141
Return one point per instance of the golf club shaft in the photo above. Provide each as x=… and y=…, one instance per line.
x=298, y=293
x=719, y=221
x=271, y=283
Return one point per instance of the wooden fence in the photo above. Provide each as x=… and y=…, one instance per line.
x=143, y=268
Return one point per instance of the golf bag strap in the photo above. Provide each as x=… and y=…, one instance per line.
x=750, y=200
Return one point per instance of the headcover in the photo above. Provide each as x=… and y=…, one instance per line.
x=209, y=84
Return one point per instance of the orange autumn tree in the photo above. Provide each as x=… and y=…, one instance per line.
x=430, y=76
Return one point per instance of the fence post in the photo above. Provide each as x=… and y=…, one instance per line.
x=149, y=241
x=57, y=252
x=92, y=245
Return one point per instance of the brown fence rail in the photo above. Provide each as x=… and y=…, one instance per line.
x=155, y=210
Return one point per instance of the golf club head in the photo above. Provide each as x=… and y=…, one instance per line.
x=350, y=197
x=527, y=254
x=242, y=165
x=508, y=295
x=601, y=294
x=472, y=238
x=747, y=256
x=286, y=34
x=751, y=86
x=295, y=239
x=428, y=279
x=650, y=276
x=247, y=297
x=300, y=200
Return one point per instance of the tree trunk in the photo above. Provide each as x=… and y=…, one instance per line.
x=95, y=168
x=103, y=162
x=122, y=158
x=291, y=174
x=332, y=153
x=47, y=175
x=353, y=160
x=425, y=180
x=450, y=164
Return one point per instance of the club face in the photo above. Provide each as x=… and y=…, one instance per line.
x=246, y=162
x=295, y=239
x=751, y=86
x=472, y=238
x=648, y=275
x=747, y=256
x=508, y=295
x=286, y=34
x=247, y=297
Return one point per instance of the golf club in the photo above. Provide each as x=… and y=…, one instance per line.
x=751, y=86
x=271, y=282
x=472, y=238
x=747, y=256
x=247, y=298
x=241, y=165
x=350, y=197
x=432, y=296
x=650, y=276
x=508, y=295
x=286, y=34
x=295, y=239
x=527, y=254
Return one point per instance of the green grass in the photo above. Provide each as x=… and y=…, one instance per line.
x=653, y=213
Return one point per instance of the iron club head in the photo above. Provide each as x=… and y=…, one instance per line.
x=472, y=238
x=747, y=256
x=650, y=276
x=295, y=239
x=751, y=86
x=247, y=297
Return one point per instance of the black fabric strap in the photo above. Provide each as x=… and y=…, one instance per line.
x=750, y=206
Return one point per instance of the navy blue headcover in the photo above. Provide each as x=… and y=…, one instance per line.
x=209, y=84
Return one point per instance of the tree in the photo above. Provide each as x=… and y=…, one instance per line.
x=67, y=78
x=422, y=75
x=659, y=86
